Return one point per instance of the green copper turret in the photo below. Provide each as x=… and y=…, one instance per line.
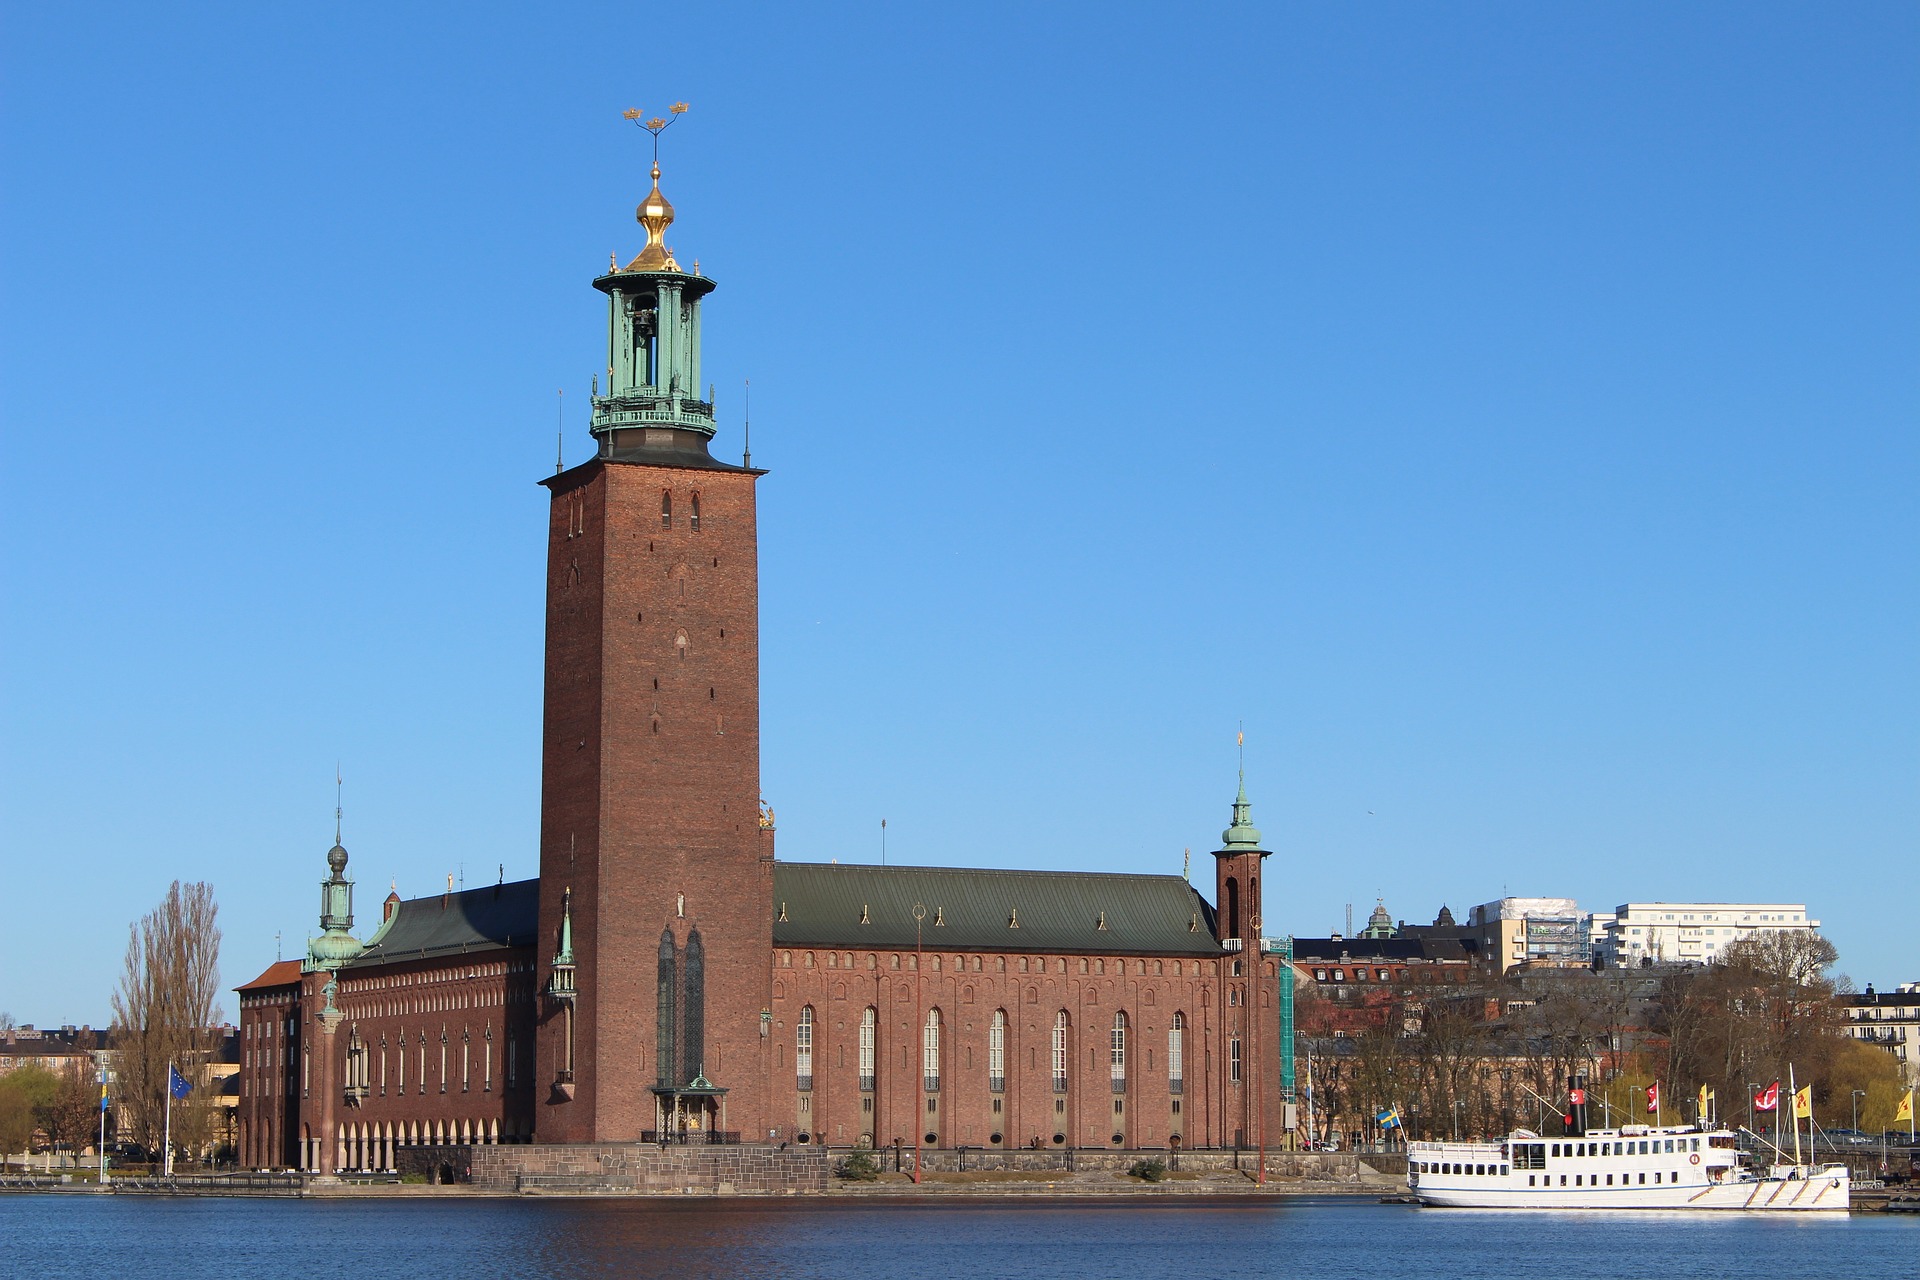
x=652, y=402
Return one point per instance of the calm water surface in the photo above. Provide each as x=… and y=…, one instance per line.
x=59, y=1236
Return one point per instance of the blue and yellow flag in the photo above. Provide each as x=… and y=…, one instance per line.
x=177, y=1084
x=1389, y=1118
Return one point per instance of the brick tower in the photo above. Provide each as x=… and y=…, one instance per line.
x=655, y=867
x=1248, y=1018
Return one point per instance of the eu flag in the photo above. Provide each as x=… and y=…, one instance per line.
x=177, y=1084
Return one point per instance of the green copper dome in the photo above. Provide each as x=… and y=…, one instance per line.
x=1242, y=834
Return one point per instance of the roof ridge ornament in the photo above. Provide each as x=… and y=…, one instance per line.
x=655, y=213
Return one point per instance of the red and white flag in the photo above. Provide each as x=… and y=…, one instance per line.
x=1653, y=1097
x=1767, y=1099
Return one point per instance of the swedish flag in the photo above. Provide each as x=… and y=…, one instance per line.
x=1389, y=1119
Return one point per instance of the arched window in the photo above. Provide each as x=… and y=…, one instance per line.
x=1176, y=1053
x=666, y=508
x=930, y=1051
x=803, y=1050
x=1233, y=903
x=997, y=1052
x=1060, y=1052
x=1117, y=1053
x=1233, y=1057
x=693, y=514
x=867, y=1020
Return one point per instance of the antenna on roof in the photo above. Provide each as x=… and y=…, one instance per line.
x=560, y=431
x=336, y=801
x=1349, y=920
x=746, y=425
x=883, y=842
x=1186, y=863
x=276, y=946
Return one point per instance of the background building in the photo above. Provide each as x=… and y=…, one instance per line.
x=1689, y=932
x=1530, y=931
x=1891, y=1020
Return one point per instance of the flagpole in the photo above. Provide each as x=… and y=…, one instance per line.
x=169, y=1137
x=1794, y=1093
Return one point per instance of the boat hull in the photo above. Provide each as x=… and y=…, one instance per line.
x=1825, y=1193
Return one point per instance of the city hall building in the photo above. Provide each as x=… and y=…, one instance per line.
x=667, y=979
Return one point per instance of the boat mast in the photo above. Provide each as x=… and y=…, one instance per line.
x=1795, y=1095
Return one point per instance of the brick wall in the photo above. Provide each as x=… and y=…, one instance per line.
x=1032, y=990
x=651, y=785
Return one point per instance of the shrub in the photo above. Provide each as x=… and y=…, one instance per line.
x=1148, y=1170
x=859, y=1167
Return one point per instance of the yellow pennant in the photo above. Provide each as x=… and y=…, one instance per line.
x=1906, y=1107
x=1803, y=1103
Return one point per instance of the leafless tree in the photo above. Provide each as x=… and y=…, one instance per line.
x=69, y=1116
x=165, y=1009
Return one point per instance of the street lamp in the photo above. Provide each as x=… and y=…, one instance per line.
x=1457, y=1105
x=1857, y=1095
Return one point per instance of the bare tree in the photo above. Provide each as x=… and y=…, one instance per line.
x=70, y=1113
x=165, y=1009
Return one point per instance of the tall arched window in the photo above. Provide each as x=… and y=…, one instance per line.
x=1176, y=1053
x=867, y=1020
x=666, y=508
x=1060, y=1052
x=1117, y=1053
x=803, y=1050
x=693, y=514
x=997, y=1052
x=930, y=1051
x=1233, y=1057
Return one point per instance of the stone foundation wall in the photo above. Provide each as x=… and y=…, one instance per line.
x=1322, y=1166
x=632, y=1169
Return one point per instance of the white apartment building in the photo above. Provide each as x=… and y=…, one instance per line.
x=1686, y=932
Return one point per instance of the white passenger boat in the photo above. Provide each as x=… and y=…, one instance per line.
x=1632, y=1167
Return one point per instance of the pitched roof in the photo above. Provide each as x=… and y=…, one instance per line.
x=825, y=904
x=281, y=973
x=490, y=918
x=1322, y=950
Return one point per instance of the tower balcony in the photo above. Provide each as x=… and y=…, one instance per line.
x=645, y=409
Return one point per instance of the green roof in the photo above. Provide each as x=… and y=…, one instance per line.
x=986, y=909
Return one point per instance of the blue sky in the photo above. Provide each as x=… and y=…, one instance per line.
x=1507, y=412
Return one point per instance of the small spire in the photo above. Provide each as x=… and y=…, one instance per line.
x=565, y=955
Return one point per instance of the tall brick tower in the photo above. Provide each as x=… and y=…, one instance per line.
x=655, y=869
x=1247, y=1025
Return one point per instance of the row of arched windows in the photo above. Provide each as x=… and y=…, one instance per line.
x=936, y=962
x=1117, y=1049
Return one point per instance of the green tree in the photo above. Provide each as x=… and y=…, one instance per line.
x=24, y=1093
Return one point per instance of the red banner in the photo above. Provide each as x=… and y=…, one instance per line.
x=1768, y=1098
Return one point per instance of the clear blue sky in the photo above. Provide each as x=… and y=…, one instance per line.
x=1507, y=411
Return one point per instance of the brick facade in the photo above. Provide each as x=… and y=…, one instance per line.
x=423, y=1053
x=1083, y=1046
x=651, y=796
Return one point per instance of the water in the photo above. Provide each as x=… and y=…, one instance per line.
x=47, y=1237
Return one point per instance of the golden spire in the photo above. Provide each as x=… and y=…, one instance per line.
x=655, y=213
